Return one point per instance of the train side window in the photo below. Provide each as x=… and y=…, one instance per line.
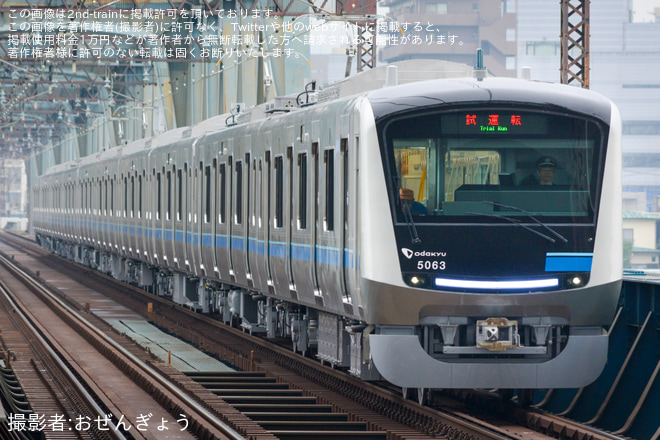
x=279, y=191
x=125, y=196
x=238, y=214
x=168, y=213
x=302, y=192
x=329, y=159
x=139, y=213
x=101, y=184
x=223, y=194
x=112, y=196
x=179, y=205
x=247, y=187
x=207, y=194
x=256, y=193
x=132, y=196
x=158, y=196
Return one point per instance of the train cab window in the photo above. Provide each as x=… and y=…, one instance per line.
x=487, y=164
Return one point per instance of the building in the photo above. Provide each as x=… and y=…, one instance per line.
x=624, y=60
x=453, y=31
x=13, y=194
x=640, y=234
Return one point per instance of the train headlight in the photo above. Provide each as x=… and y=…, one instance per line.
x=416, y=280
x=576, y=281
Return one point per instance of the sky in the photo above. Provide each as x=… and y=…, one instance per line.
x=643, y=10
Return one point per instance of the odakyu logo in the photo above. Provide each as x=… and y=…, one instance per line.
x=409, y=253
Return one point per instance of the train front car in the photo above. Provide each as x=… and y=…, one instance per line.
x=497, y=261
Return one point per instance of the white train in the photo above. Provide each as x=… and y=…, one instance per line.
x=395, y=231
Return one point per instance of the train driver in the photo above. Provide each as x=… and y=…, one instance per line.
x=545, y=172
x=416, y=208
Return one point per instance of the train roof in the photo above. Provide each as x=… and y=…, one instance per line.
x=420, y=83
x=399, y=100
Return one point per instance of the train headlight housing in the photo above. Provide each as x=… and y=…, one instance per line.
x=416, y=280
x=576, y=281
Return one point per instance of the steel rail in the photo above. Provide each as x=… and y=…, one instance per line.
x=144, y=368
x=37, y=333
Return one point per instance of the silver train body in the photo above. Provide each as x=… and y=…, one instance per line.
x=288, y=220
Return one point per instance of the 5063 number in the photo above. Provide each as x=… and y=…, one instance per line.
x=431, y=265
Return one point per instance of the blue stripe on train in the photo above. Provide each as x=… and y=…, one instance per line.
x=568, y=261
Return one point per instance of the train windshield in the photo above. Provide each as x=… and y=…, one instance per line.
x=496, y=163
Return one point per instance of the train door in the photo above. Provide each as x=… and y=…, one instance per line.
x=122, y=237
x=159, y=232
x=112, y=218
x=129, y=236
x=102, y=212
x=82, y=208
x=76, y=198
x=222, y=224
x=79, y=203
x=206, y=239
x=238, y=242
x=350, y=170
x=279, y=244
x=301, y=227
x=99, y=232
x=190, y=214
x=267, y=172
x=193, y=197
x=92, y=192
x=146, y=209
x=257, y=228
x=139, y=215
x=68, y=218
x=151, y=206
x=179, y=175
x=135, y=230
x=262, y=234
x=329, y=247
x=169, y=229
x=249, y=189
x=315, y=213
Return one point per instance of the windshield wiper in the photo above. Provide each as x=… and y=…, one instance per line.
x=410, y=222
x=515, y=208
x=407, y=214
x=517, y=223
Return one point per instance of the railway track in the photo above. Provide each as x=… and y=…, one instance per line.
x=292, y=397
x=94, y=410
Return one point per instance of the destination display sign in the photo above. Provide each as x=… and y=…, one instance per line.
x=494, y=123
